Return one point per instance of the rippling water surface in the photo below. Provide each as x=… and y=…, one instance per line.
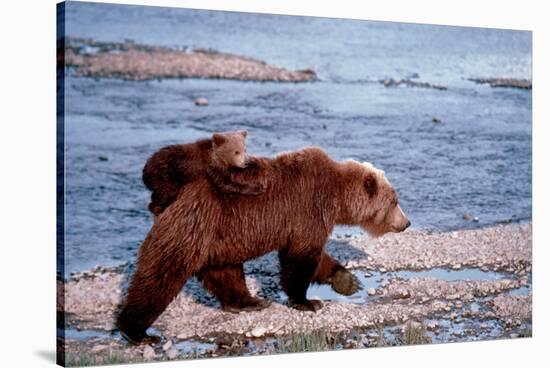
x=477, y=160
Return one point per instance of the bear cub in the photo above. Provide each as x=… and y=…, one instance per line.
x=220, y=158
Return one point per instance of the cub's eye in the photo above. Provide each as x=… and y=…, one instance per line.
x=237, y=152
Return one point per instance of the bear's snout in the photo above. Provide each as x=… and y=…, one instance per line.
x=398, y=219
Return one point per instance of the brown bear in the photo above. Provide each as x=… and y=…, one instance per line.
x=308, y=194
x=167, y=170
x=220, y=158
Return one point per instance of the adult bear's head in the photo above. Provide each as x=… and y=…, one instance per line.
x=370, y=200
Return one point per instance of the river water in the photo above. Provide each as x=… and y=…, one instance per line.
x=476, y=160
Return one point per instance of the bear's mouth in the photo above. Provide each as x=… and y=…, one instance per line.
x=396, y=229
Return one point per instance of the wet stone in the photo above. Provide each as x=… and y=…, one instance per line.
x=148, y=353
x=201, y=101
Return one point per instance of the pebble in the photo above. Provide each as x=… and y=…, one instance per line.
x=167, y=346
x=404, y=294
x=201, y=101
x=258, y=331
x=457, y=266
x=98, y=348
x=432, y=325
x=371, y=291
x=172, y=353
x=148, y=353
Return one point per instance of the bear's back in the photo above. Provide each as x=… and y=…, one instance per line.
x=177, y=161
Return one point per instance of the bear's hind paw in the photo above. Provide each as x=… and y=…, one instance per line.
x=252, y=305
x=307, y=305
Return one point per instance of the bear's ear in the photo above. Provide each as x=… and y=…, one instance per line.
x=218, y=139
x=371, y=185
x=244, y=133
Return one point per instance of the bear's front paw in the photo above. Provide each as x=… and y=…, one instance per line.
x=307, y=305
x=346, y=283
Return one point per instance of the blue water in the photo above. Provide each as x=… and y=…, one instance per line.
x=374, y=279
x=476, y=161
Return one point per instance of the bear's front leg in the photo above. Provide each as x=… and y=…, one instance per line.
x=297, y=269
x=228, y=285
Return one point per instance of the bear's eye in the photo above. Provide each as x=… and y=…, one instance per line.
x=237, y=152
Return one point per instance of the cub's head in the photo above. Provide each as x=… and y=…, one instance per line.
x=371, y=201
x=229, y=148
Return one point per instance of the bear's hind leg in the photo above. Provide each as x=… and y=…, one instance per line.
x=337, y=276
x=228, y=285
x=297, y=272
x=152, y=288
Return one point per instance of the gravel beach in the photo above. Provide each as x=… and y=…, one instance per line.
x=496, y=304
x=143, y=62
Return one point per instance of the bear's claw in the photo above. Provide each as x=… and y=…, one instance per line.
x=346, y=283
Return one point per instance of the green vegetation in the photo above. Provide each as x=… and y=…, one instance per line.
x=86, y=359
x=414, y=333
x=380, y=341
x=315, y=341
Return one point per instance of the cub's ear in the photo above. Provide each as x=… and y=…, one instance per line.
x=244, y=133
x=218, y=139
x=371, y=185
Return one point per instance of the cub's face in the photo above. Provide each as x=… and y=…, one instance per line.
x=229, y=149
x=375, y=206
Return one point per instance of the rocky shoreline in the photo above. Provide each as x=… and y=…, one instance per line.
x=133, y=61
x=504, y=82
x=410, y=83
x=487, y=294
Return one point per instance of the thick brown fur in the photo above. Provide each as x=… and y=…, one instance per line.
x=307, y=195
x=168, y=170
x=218, y=159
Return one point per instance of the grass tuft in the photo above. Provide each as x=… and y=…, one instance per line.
x=380, y=341
x=86, y=360
x=414, y=333
x=314, y=341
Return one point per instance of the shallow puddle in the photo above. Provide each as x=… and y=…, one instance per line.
x=74, y=334
x=373, y=279
x=195, y=347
